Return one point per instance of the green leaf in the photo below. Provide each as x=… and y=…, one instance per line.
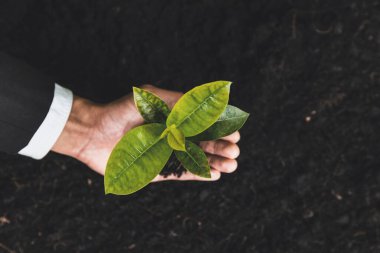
x=136, y=159
x=176, y=139
x=199, y=108
x=194, y=160
x=231, y=120
x=151, y=107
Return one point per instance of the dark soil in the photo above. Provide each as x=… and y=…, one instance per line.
x=307, y=71
x=173, y=167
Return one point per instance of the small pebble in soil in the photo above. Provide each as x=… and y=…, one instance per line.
x=4, y=220
x=308, y=214
x=337, y=195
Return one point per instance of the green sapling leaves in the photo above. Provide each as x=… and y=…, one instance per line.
x=231, y=120
x=199, y=108
x=194, y=160
x=200, y=114
x=136, y=159
x=176, y=138
x=151, y=107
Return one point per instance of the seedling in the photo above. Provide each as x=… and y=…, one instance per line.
x=201, y=114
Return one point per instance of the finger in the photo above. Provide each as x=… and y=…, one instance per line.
x=234, y=137
x=221, y=148
x=187, y=176
x=170, y=97
x=222, y=164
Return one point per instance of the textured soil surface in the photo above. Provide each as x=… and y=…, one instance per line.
x=309, y=171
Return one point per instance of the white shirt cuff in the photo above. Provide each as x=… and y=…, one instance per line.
x=52, y=126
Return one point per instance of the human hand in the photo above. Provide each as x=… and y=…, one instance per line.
x=93, y=130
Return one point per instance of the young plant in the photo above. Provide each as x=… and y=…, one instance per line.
x=201, y=114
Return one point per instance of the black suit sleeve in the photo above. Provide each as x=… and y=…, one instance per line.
x=25, y=99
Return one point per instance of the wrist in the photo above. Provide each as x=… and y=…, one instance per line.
x=78, y=129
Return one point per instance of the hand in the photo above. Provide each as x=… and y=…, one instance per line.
x=93, y=130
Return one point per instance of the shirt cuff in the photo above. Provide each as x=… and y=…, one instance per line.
x=52, y=126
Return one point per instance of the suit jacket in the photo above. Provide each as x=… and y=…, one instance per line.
x=25, y=99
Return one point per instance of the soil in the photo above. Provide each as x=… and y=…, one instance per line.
x=307, y=71
x=173, y=167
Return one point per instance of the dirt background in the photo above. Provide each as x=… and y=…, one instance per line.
x=307, y=71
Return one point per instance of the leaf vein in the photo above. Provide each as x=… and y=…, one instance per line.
x=201, y=104
x=132, y=162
